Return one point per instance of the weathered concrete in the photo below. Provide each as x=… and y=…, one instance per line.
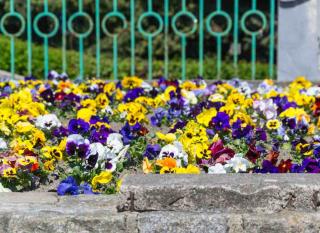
x=167, y=203
x=6, y=76
x=46, y=212
x=180, y=222
x=298, y=39
x=223, y=193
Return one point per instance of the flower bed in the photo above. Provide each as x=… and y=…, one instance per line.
x=82, y=138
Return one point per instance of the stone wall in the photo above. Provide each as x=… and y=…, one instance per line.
x=169, y=203
x=298, y=45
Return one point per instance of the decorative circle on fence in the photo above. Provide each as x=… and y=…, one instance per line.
x=253, y=13
x=211, y=18
x=19, y=17
x=74, y=18
x=150, y=15
x=116, y=15
x=188, y=15
x=55, y=27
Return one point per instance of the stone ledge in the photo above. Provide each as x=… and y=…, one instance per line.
x=234, y=193
x=171, y=203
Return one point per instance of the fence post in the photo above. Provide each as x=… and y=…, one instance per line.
x=298, y=44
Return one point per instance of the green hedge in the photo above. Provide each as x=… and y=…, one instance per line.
x=55, y=55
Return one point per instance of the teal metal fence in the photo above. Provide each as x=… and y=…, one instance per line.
x=202, y=24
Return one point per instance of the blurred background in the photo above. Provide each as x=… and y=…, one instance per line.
x=210, y=49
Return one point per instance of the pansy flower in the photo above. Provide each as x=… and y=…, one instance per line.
x=77, y=145
x=221, y=121
x=78, y=126
x=47, y=122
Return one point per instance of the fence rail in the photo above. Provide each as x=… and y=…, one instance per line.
x=202, y=24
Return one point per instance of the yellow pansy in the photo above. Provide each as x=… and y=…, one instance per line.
x=62, y=144
x=300, y=83
x=243, y=117
x=38, y=136
x=191, y=169
x=147, y=101
x=85, y=114
x=24, y=127
x=4, y=128
x=146, y=166
x=119, y=94
x=131, y=82
x=216, y=98
x=168, y=90
x=49, y=165
x=160, y=100
x=9, y=172
x=109, y=88
x=46, y=152
x=206, y=116
x=271, y=94
x=119, y=183
x=103, y=178
x=236, y=99
x=198, y=150
x=166, y=170
x=228, y=109
x=297, y=113
x=273, y=124
x=102, y=100
x=89, y=103
x=311, y=129
x=170, y=137
x=24, y=161
x=303, y=99
x=188, y=85
x=52, y=152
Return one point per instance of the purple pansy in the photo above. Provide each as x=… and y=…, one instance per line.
x=68, y=186
x=221, y=121
x=78, y=126
x=152, y=151
x=77, y=145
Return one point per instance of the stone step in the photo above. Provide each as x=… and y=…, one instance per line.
x=182, y=222
x=231, y=203
x=227, y=193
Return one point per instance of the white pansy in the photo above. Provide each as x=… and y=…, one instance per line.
x=78, y=139
x=47, y=122
x=111, y=164
x=182, y=155
x=3, y=144
x=264, y=88
x=216, y=98
x=114, y=146
x=114, y=143
x=174, y=150
x=217, y=169
x=108, y=110
x=3, y=189
x=239, y=164
x=97, y=149
x=244, y=88
x=169, y=151
x=146, y=86
x=267, y=107
x=122, y=154
x=189, y=96
x=123, y=114
x=313, y=91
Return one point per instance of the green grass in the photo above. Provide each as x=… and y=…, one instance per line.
x=55, y=63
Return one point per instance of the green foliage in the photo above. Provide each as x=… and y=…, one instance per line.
x=55, y=61
x=174, y=44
